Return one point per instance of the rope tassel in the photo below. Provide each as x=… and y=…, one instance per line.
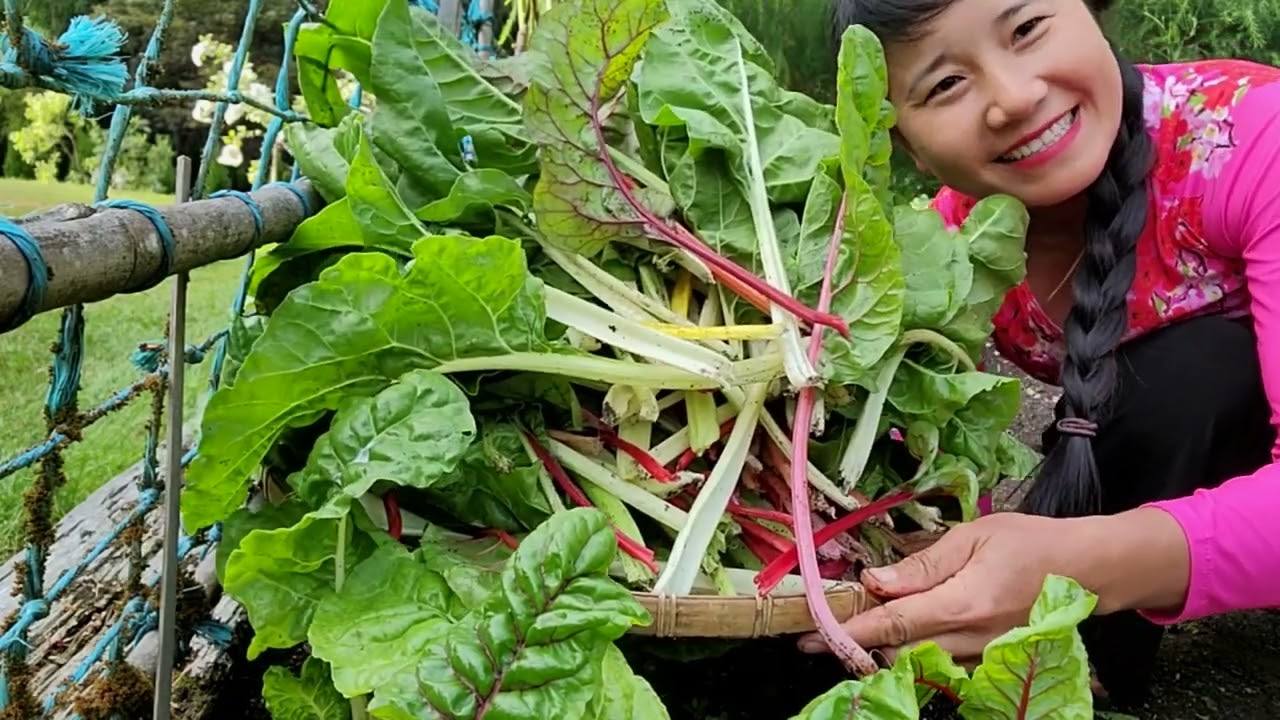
x=83, y=62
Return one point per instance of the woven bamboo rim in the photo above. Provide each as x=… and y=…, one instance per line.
x=746, y=615
x=706, y=614
x=743, y=616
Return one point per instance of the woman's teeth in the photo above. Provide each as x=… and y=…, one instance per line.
x=1046, y=139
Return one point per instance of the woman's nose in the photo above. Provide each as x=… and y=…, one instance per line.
x=1014, y=97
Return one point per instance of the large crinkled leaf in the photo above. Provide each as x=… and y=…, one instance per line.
x=535, y=650
x=413, y=433
x=362, y=324
x=692, y=77
x=306, y=696
x=491, y=118
x=588, y=50
x=495, y=484
x=921, y=393
x=384, y=221
x=995, y=234
x=957, y=476
x=390, y=609
x=471, y=566
x=975, y=431
x=935, y=267
x=410, y=121
x=370, y=215
x=623, y=695
x=319, y=160
x=474, y=197
x=1040, y=670
x=341, y=41
x=243, y=521
x=870, y=263
x=862, y=69
x=280, y=575
x=871, y=298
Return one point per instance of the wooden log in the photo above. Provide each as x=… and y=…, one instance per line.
x=80, y=619
x=94, y=254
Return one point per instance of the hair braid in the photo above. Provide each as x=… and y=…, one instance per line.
x=1068, y=483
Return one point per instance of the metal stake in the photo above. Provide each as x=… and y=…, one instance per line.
x=173, y=472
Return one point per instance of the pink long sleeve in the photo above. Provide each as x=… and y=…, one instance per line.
x=1234, y=545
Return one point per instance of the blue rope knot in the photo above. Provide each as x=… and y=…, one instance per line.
x=258, y=222
x=146, y=357
x=84, y=62
x=168, y=248
x=37, y=274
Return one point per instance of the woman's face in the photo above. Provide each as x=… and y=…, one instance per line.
x=1008, y=96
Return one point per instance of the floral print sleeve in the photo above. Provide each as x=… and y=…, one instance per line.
x=1216, y=248
x=1216, y=245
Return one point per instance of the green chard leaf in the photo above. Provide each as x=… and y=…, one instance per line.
x=1040, y=670
x=410, y=122
x=995, y=234
x=536, y=648
x=280, y=575
x=307, y=696
x=390, y=610
x=887, y=695
x=363, y=324
x=478, y=108
x=622, y=694
x=413, y=433
x=588, y=50
x=872, y=297
x=496, y=485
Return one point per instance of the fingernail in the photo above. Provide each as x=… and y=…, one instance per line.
x=883, y=575
x=810, y=645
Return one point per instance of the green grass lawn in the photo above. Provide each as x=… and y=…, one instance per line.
x=113, y=329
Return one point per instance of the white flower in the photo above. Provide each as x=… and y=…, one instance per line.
x=202, y=111
x=231, y=156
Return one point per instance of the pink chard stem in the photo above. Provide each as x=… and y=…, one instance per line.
x=726, y=270
x=854, y=657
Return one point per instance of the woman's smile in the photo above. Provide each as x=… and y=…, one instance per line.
x=1041, y=146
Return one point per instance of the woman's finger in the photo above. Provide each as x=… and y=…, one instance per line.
x=899, y=622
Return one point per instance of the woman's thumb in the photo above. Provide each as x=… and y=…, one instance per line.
x=922, y=570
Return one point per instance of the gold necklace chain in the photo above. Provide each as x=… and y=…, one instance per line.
x=1070, y=271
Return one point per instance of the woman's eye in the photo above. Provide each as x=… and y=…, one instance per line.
x=944, y=85
x=1025, y=29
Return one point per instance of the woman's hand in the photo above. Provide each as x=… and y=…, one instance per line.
x=981, y=578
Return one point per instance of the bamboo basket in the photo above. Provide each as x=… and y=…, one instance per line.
x=706, y=614
x=745, y=616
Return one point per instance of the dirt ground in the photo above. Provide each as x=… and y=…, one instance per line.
x=1224, y=668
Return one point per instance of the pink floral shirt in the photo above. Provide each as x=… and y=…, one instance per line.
x=1211, y=245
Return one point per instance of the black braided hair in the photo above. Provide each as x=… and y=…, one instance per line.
x=1068, y=483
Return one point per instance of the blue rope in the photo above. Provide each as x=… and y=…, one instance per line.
x=168, y=250
x=37, y=274
x=120, y=118
x=297, y=192
x=259, y=223
x=84, y=62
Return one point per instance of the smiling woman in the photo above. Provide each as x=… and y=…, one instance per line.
x=1152, y=297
